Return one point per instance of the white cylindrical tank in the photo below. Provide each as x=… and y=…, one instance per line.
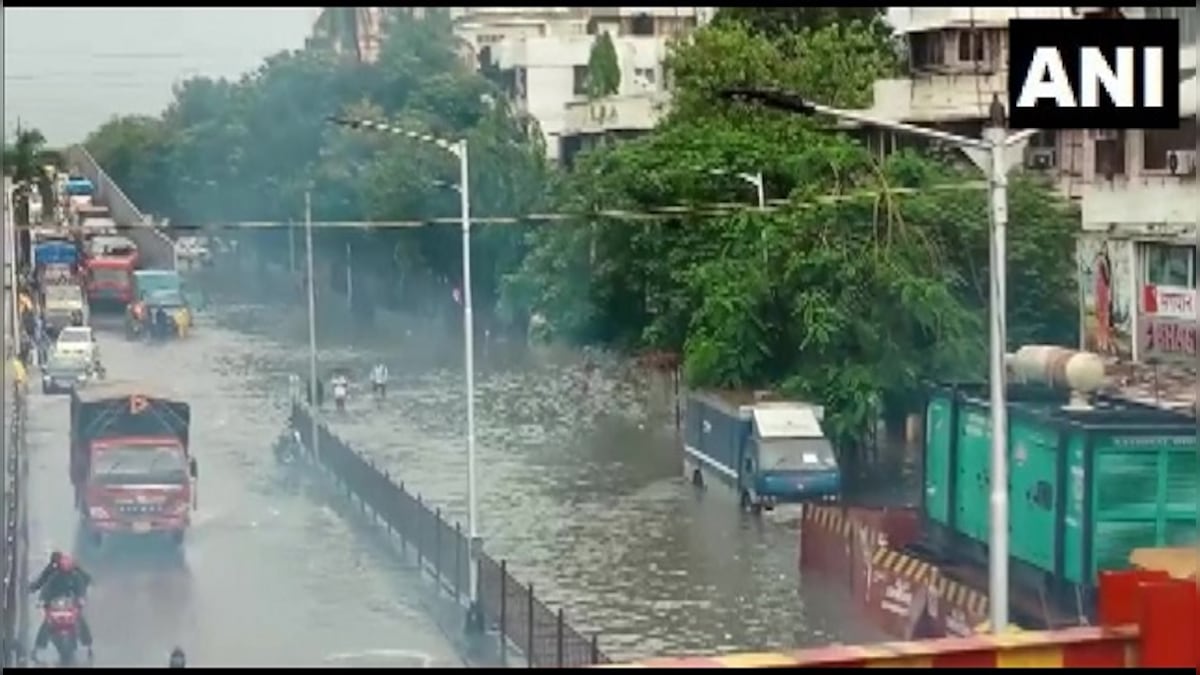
x=1080, y=372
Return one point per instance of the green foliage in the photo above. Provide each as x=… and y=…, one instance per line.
x=237, y=151
x=23, y=162
x=868, y=283
x=604, y=71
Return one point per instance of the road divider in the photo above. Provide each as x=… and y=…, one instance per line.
x=15, y=530
x=524, y=623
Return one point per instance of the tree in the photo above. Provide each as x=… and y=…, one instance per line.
x=604, y=70
x=246, y=150
x=23, y=161
x=865, y=286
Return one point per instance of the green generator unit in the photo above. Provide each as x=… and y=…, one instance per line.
x=1086, y=486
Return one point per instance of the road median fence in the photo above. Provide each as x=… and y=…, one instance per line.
x=540, y=634
x=13, y=524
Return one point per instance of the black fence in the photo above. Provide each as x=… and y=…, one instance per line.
x=14, y=545
x=541, y=634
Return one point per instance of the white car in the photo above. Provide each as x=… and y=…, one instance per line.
x=77, y=342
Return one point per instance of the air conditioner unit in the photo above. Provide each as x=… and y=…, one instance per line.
x=1041, y=158
x=1181, y=162
x=1104, y=134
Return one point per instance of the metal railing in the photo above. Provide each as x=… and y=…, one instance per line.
x=540, y=634
x=156, y=247
x=14, y=536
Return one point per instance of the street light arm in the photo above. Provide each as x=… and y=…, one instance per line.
x=792, y=102
x=1020, y=136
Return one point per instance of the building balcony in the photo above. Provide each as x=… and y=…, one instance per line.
x=633, y=112
x=938, y=98
x=1146, y=207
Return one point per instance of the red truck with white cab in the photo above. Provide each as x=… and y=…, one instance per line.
x=130, y=461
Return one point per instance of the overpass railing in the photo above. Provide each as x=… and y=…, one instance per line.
x=14, y=534
x=541, y=634
x=156, y=247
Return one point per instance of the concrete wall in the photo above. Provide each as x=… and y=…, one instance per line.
x=157, y=249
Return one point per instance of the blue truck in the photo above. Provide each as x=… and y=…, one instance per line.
x=766, y=452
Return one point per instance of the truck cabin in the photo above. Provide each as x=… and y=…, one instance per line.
x=158, y=286
x=110, y=279
x=123, y=435
x=78, y=186
x=791, y=460
x=109, y=246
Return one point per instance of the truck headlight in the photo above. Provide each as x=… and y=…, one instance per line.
x=97, y=512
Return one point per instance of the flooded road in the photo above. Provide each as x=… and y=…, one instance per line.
x=580, y=489
x=270, y=573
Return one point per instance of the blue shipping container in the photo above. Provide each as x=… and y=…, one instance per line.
x=55, y=253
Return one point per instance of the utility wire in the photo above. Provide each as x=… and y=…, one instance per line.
x=711, y=210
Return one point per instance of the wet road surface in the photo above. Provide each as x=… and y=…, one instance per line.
x=581, y=490
x=270, y=574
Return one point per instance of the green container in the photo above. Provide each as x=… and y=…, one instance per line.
x=1086, y=488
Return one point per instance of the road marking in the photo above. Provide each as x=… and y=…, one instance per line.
x=416, y=657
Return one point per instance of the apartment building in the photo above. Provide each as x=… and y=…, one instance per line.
x=1140, y=209
x=542, y=54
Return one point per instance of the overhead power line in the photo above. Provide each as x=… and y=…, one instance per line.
x=658, y=213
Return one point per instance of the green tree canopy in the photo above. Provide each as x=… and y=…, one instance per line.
x=869, y=279
x=604, y=70
x=246, y=150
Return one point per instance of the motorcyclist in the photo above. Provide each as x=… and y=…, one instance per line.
x=61, y=578
x=161, y=322
x=379, y=379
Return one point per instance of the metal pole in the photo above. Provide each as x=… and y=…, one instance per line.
x=475, y=615
x=312, y=325
x=760, y=185
x=998, y=546
x=292, y=248
x=349, y=276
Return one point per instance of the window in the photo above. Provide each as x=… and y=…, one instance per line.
x=926, y=50
x=580, y=79
x=642, y=24
x=1168, y=265
x=1110, y=154
x=646, y=74
x=970, y=46
x=1156, y=143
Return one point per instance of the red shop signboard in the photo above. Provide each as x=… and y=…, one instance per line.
x=1166, y=339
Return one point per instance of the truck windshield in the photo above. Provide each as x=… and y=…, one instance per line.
x=140, y=464
x=796, y=454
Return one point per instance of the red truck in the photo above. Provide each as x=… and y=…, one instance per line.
x=109, y=280
x=130, y=462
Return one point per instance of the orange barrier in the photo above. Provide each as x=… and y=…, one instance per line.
x=907, y=598
x=1149, y=620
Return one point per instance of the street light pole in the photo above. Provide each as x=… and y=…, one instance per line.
x=475, y=614
x=995, y=154
x=314, y=402
x=474, y=623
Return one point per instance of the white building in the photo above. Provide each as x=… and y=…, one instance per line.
x=1140, y=207
x=542, y=54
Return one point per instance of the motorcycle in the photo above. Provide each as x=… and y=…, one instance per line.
x=62, y=618
x=339, y=395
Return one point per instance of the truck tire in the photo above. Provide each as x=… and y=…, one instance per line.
x=177, y=538
x=95, y=538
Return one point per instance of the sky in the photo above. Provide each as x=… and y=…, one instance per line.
x=69, y=70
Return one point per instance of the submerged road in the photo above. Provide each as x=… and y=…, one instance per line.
x=270, y=573
x=581, y=485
